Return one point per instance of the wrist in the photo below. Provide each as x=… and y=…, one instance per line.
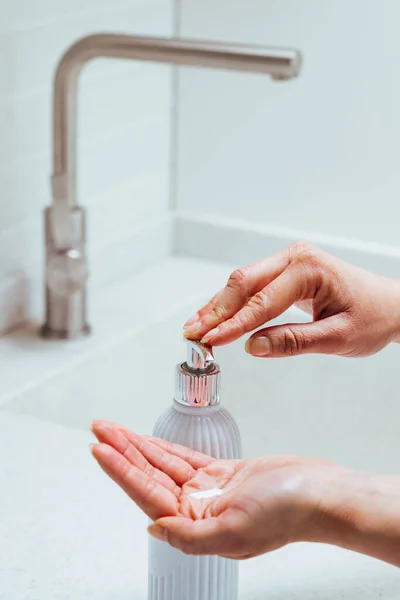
x=359, y=512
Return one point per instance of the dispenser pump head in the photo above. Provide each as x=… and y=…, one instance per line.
x=198, y=380
x=199, y=356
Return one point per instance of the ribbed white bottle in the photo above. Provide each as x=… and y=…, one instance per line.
x=198, y=421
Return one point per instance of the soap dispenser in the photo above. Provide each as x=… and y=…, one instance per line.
x=196, y=420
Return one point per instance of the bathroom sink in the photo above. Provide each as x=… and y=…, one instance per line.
x=342, y=409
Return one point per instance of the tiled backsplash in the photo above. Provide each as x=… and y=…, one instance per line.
x=124, y=134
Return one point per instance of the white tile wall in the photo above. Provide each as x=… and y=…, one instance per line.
x=124, y=134
x=319, y=154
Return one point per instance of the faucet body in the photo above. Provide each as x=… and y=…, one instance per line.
x=65, y=235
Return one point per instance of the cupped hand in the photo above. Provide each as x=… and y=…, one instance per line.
x=354, y=312
x=266, y=503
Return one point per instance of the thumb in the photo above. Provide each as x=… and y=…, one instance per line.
x=328, y=336
x=201, y=537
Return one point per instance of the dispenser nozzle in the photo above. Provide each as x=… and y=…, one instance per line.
x=199, y=356
x=197, y=381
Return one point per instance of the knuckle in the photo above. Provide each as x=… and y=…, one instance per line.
x=238, y=279
x=126, y=472
x=190, y=456
x=310, y=258
x=149, y=470
x=305, y=254
x=292, y=343
x=301, y=247
x=240, y=322
x=259, y=301
x=312, y=270
x=126, y=452
x=165, y=460
x=300, y=280
x=257, y=306
x=140, y=444
x=310, y=262
x=149, y=490
x=220, y=312
x=168, y=447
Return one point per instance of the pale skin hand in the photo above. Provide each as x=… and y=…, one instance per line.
x=273, y=501
x=267, y=502
x=354, y=312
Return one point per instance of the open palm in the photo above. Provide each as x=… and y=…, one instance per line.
x=160, y=477
x=262, y=504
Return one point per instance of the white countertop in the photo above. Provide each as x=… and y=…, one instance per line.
x=68, y=532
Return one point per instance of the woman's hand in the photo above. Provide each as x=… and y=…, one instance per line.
x=264, y=504
x=355, y=313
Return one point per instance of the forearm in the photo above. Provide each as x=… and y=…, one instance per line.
x=361, y=512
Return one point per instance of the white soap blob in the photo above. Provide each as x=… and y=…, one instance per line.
x=207, y=493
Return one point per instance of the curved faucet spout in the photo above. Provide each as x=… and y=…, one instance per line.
x=280, y=64
x=65, y=221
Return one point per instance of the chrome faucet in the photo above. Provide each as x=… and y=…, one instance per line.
x=66, y=266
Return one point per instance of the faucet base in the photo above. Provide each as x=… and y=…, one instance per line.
x=56, y=334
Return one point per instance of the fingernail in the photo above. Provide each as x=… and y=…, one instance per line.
x=91, y=446
x=192, y=320
x=190, y=330
x=210, y=335
x=258, y=346
x=158, y=532
x=98, y=424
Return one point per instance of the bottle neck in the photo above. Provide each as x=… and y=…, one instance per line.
x=197, y=387
x=196, y=410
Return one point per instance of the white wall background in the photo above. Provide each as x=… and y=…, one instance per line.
x=320, y=154
x=124, y=135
